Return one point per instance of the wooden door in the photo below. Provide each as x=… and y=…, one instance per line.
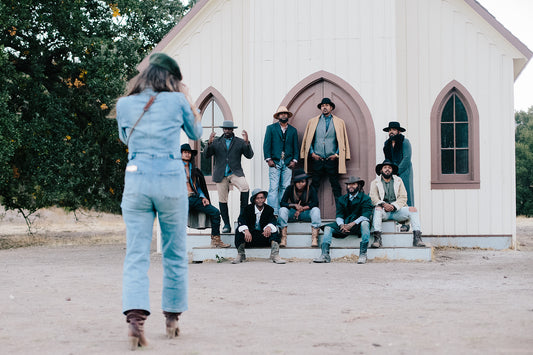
x=361, y=134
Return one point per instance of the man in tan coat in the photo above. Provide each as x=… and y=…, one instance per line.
x=325, y=142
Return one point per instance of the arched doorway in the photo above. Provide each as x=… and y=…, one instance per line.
x=302, y=101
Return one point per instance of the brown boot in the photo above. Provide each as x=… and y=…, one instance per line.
x=274, y=254
x=377, y=240
x=136, y=318
x=216, y=242
x=172, y=324
x=314, y=237
x=283, y=242
x=417, y=239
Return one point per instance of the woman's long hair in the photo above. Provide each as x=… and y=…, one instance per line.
x=157, y=78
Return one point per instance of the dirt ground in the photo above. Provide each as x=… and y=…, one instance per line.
x=61, y=294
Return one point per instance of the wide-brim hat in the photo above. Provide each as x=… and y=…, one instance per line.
x=256, y=192
x=282, y=109
x=326, y=100
x=164, y=61
x=355, y=180
x=299, y=175
x=387, y=162
x=395, y=125
x=187, y=147
x=228, y=124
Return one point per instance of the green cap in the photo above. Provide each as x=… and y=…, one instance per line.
x=166, y=62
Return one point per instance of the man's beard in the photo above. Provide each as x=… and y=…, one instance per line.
x=284, y=120
x=353, y=191
x=386, y=176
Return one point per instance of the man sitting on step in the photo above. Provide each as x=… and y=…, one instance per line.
x=389, y=195
x=299, y=204
x=353, y=217
x=257, y=228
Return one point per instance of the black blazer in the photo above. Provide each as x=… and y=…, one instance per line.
x=231, y=156
x=247, y=217
x=273, y=144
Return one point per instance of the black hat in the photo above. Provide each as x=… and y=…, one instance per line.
x=355, y=180
x=395, y=125
x=300, y=175
x=162, y=60
x=228, y=124
x=187, y=147
x=387, y=162
x=326, y=100
x=256, y=192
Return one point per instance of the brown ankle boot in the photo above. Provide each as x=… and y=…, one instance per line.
x=216, y=242
x=136, y=318
x=283, y=242
x=172, y=324
x=314, y=237
x=377, y=240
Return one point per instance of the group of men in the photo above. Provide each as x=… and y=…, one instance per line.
x=324, y=150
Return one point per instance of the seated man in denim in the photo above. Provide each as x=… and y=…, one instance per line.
x=257, y=228
x=389, y=195
x=299, y=204
x=353, y=217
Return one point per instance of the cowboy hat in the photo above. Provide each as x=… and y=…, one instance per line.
x=395, y=125
x=387, y=162
x=228, y=124
x=282, y=109
x=326, y=100
x=300, y=175
x=187, y=147
x=256, y=192
x=355, y=180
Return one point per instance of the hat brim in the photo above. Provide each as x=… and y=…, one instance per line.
x=380, y=166
x=276, y=115
x=300, y=177
x=401, y=129
x=252, y=198
x=233, y=127
x=322, y=103
x=193, y=151
x=361, y=183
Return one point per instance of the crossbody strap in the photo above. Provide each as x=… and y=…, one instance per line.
x=146, y=107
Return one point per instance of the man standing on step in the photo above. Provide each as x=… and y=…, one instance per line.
x=389, y=196
x=353, y=217
x=257, y=227
x=300, y=204
x=397, y=149
x=227, y=170
x=325, y=143
x=199, y=200
x=280, y=149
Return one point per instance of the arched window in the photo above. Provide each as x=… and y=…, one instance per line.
x=214, y=110
x=455, y=140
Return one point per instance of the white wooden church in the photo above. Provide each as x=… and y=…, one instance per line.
x=443, y=68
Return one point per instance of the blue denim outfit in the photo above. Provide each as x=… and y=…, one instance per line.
x=155, y=183
x=401, y=215
x=287, y=215
x=280, y=178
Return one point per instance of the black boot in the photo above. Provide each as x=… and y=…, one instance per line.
x=244, y=199
x=417, y=239
x=225, y=217
x=377, y=240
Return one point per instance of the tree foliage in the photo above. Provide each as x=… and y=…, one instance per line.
x=524, y=162
x=63, y=64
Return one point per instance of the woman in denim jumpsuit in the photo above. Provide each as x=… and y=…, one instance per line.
x=155, y=185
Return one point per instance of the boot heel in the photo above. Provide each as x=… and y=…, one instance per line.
x=134, y=342
x=172, y=332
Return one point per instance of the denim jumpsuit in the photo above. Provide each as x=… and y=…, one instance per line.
x=155, y=183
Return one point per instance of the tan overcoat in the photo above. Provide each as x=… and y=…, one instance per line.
x=342, y=140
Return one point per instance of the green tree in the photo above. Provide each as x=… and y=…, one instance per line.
x=524, y=162
x=63, y=64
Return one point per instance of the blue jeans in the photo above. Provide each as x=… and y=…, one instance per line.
x=364, y=228
x=401, y=215
x=287, y=215
x=155, y=184
x=280, y=178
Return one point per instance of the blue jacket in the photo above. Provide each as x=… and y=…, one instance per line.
x=273, y=143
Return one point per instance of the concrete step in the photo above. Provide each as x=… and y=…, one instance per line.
x=200, y=254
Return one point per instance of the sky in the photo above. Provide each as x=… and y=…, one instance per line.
x=516, y=16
